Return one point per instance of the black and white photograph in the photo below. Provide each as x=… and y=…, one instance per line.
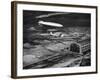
x=56, y=39
x=53, y=39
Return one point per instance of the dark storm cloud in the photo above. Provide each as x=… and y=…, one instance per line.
x=66, y=19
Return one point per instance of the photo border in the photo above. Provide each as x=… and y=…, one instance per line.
x=14, y=38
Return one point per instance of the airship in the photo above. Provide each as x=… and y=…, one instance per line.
x=52, y=24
